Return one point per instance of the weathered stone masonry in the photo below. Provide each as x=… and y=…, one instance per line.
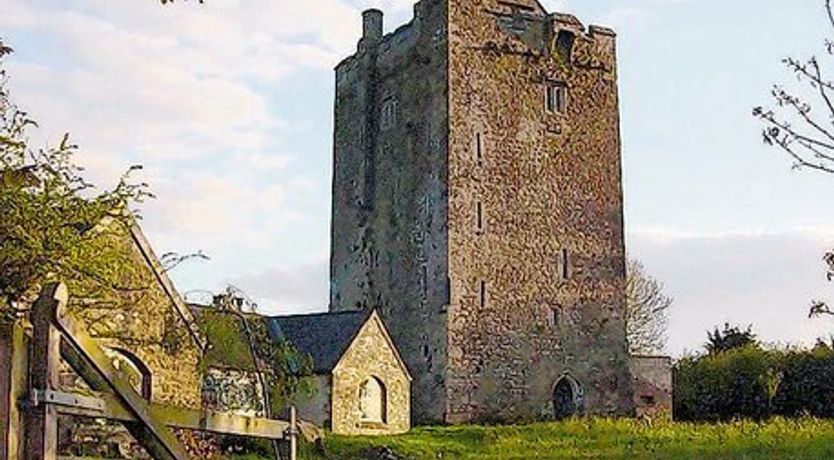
x=484, y=220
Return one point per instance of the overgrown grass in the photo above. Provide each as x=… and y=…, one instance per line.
x=600, y=439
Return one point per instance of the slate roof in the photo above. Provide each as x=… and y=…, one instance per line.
x=324, y=336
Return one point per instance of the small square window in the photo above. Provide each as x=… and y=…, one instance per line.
x=556, y=98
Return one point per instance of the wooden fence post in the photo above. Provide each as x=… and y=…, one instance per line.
x=293, y=434
x=14, y=372
x=42, y=419
x=6, y=402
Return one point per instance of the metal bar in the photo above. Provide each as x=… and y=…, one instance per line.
x=71, y=400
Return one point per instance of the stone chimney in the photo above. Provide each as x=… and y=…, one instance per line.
x=372, y=25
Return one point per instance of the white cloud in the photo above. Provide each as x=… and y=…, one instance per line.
x=289, y=289
x=180, y=89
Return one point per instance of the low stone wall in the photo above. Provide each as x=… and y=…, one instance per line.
x=652, y=380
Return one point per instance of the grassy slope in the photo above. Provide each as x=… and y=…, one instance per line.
x=604, y=439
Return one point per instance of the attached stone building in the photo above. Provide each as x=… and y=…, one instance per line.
x=652, y=381
x=360, y=385
x=144, y=327
x=477, y=203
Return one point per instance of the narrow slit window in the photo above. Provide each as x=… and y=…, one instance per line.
x=479, y=217
x=482, y=294
x=556, y=97
x=424, y=281
x=556, y=316
x=479, y=149
x=565, y=264
x=389, y=114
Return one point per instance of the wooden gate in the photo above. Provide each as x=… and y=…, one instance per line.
x=30, y=405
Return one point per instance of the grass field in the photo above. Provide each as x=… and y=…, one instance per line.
x=599, y=439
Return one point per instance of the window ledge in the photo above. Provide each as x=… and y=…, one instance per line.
x=372, y=425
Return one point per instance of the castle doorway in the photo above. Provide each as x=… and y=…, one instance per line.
x=566, y=398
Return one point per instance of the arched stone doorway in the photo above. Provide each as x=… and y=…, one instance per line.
x=373, y=401
x=567, y=398
x=133, y=369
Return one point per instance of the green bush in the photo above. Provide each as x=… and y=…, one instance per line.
x=755, y=383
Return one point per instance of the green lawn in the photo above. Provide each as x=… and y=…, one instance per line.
x=600, y=439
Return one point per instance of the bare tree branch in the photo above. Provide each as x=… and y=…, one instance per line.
x=808, y=151
x=647, y=311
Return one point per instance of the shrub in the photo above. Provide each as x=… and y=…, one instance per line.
x=755, y=383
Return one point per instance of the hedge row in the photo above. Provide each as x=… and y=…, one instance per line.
x=755, y=383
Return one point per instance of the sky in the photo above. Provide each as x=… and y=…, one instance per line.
x=228, y=106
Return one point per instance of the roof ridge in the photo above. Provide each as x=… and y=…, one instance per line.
x=312, y=315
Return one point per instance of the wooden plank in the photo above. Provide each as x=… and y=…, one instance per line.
x=109, y=407
x=222, y=423
x=19, y=373
x=215, y=422
x=6, y=402
x=42, y=420
x=293, y=434
x=95, y=367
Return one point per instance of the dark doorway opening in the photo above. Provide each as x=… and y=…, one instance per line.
x=565, y=398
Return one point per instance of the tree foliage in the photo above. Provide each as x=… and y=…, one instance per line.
x=730, y=338
x=756, y=383
x=647, y=311
x=53, y=217
x=282, y=371
x=802, y=122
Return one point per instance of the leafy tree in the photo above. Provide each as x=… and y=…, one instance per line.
x=647, y=311
x=730, y=338
x=53, y=217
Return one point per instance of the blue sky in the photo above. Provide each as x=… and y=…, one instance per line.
x=228, y=106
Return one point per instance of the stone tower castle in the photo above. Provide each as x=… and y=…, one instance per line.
x=477, y=203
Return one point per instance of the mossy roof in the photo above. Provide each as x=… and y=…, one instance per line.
x=323, y=336
x=224, y=331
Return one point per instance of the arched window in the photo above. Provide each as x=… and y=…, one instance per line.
x=133, y=369
x=567, y=398
x=372, y=401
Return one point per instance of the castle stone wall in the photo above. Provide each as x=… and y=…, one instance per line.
x=538, y=292
x=389, y=243
x=487, y=228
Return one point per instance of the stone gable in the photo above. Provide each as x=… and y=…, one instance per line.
x=371, y=355
x=147, y=322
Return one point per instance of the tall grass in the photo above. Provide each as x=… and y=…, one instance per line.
x=780, y=439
